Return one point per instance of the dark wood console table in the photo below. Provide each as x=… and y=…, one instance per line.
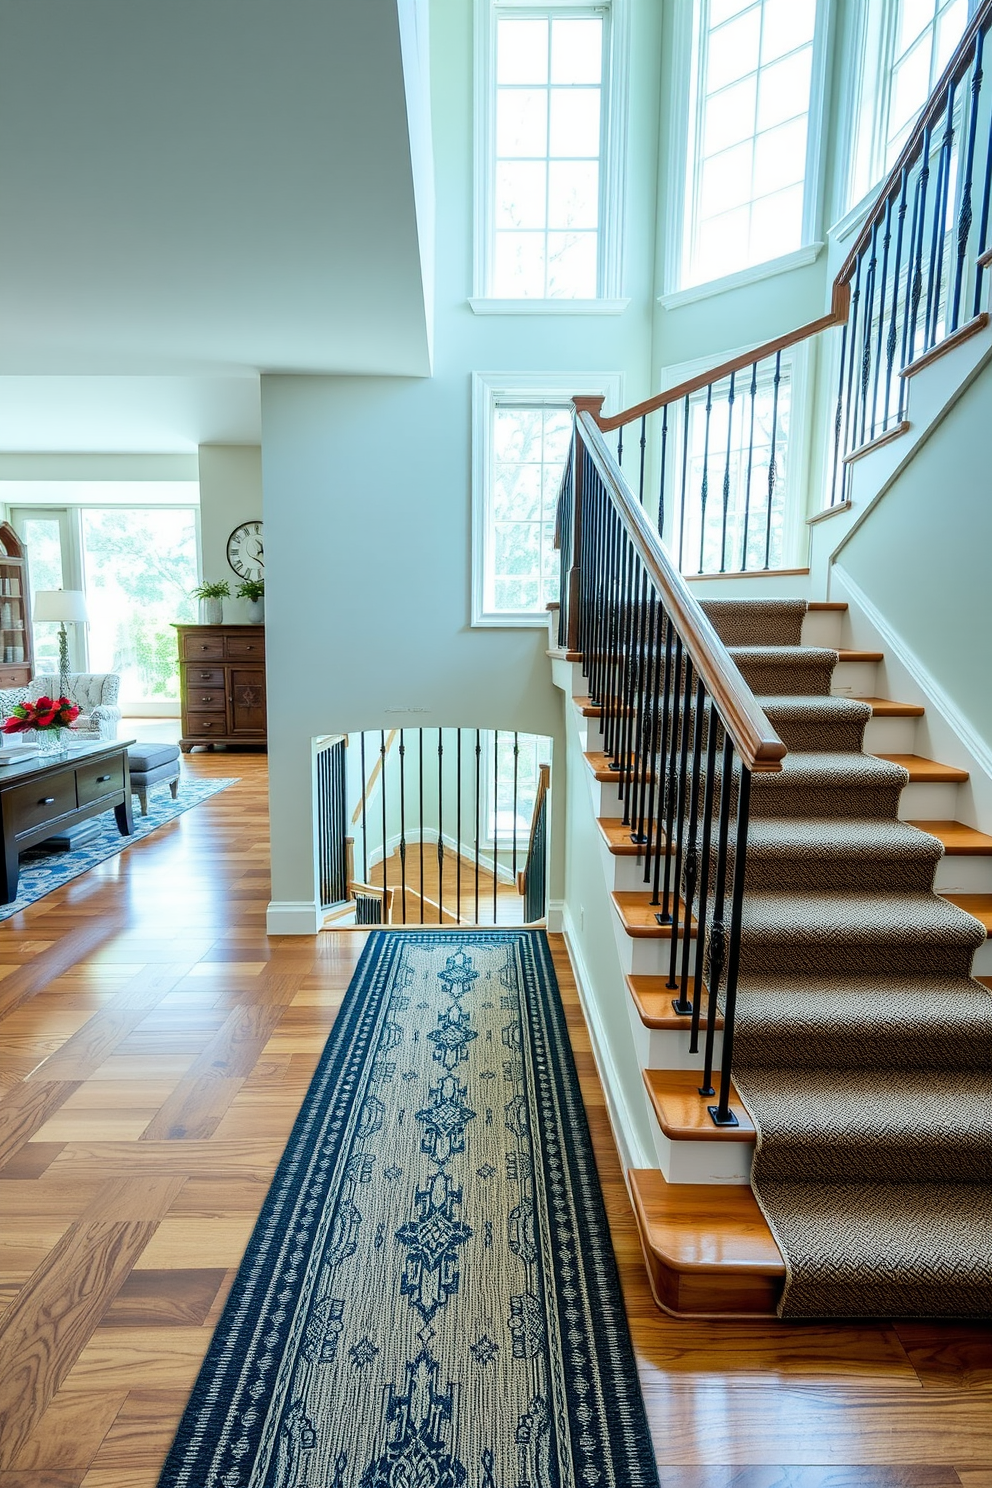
x=48, y=794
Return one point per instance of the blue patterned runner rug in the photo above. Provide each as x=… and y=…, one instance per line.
x=429, y=1298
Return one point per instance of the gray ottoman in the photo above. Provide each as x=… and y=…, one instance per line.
x=153, y=764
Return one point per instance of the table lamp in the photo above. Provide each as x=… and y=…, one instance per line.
x=65, y=607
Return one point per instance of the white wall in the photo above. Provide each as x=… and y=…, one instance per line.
x=230, y=493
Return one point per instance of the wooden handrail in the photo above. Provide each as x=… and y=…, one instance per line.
x=543, y=786
x=840, y=298
x=756, y=742
x=932, y=110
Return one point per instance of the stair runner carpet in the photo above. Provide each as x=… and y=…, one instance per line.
x=429, y=1299
x=863, y=1046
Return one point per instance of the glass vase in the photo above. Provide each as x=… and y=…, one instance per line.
x=53, y=740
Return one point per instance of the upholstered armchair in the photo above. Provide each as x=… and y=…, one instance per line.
x=95, y=693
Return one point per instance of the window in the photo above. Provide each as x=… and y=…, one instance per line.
x=750, y=183
x=548, y=160
x=522, y=436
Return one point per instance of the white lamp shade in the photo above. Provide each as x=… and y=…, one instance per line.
x=65, y=605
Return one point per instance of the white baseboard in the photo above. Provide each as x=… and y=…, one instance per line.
x=292, y=917
x=556, y=916
x=632, y=1155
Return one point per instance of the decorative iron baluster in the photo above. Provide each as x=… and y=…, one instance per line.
x=669, y=746
x=458, y=827
x=420, y=832
x=680, y=922
x=922, y=183
x=402, y=827
x=478, y=779
x=753, y=393
x=866, y=335
x=642, y=694
x=440, y=827
x=882, y=297
x=644, y=440
x=839, y=468
x=704, y=487
x=682, y=1004
x=965, y=210
x=850, y=412
x=382, y=795
x=664, y=467
x=721, y=1113
x=495, y=821
x=726, y=477
x=659, y=726
x=939, y=218
x=717, y=956
x=685, y=476
x=365, y=830
x=983, y=229
x=892, y=338
x=712, y=728
x=516, y=769
x=772, y=454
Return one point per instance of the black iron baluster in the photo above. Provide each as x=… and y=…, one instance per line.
x=965, y=210
x=644, y=441
x=721, y=1113
x=922, y=183
x=718, y=931
x=686, y=413
x=892, y=337
x=643, y=694
x=753, y=393
x=682, y=1004
x=726, y=477
x=365, y=830
x=402, y=824
x=420, y=776
x=670, y=742
x=939, y=218
x=869, y=309
x=882, y=297
x=664, y=467
x=772, y=461
x=516, y=768
x=659, y=728
x=983, y=229
x=704, y=487
x=495, y=820
x=478, y=786
x=440, y=827
x=680, y=911
x=458, y=827
x=382, y=793
x=614, y=601
x=839, y=469
x=713, y=722
x=627, y=771
x=620, y=445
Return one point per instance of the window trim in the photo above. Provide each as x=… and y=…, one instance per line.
x=613, y=161
x=683, y=136
x=527, y=388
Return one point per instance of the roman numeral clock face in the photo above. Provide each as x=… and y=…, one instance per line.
x=245, y=553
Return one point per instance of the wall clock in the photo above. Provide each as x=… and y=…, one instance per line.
x=245, y=553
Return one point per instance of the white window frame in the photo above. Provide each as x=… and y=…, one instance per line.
x=613, y=159
x=685, y=119
x=866, y=100
x=794, y=536
x=529, y=390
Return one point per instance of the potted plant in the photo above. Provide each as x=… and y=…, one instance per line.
x=253, y=590
x=211, y=597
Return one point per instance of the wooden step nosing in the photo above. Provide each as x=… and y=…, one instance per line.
x=707, y=1131
x=688, y=1266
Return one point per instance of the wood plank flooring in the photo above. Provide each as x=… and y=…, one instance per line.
x=155, y=1046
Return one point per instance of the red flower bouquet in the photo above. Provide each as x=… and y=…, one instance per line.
x=43, y=713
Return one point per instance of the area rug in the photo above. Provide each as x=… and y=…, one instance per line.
x=429, y=1298
x=43, y=870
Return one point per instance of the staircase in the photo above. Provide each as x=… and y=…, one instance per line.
x=920, y=1023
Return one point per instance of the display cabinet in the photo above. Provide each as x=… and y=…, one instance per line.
x=16, y=643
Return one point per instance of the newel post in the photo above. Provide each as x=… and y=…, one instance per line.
x=583, y=403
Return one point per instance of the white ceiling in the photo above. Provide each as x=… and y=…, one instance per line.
x=193, y=192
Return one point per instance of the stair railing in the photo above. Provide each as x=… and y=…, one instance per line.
x=532, y=880
x=681, y=729
x=713, y=447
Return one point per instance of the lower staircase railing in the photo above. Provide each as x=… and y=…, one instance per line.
x=681, y=730
x=532, y=881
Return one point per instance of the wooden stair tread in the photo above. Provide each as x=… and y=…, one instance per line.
x=557, y=654
x=599, y=764
x=926, y=771
x=587, y=707
x=638, y=915
x=886, y=708
x=985, y=981
x=705, y=1226
x=653, y=1000
x=682, y=1112
x=979, y=905
x=959, y=840
x=860, y=655
x=618, y=837
x=826, y=604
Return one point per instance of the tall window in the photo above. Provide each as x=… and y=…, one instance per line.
x=926, y=33
x=529, y=450
x=550, y=92
x=749, y=136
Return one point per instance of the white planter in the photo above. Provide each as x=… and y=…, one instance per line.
x=256, y=611
x=211, y=612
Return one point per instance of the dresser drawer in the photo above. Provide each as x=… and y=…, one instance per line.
x=102, y=778
x=203, y=648
x=18, y=677
x=26, y=807
x=205, y=700
x=201, y=676
x=245, y=648
x=198, y=724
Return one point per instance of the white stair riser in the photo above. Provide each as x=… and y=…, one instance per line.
x=963, y=875
x=643, y=954
x=854, y=679
x=928, y=803
x=823, y=628
x=982, y=964
x=890, y=736
x=628, y=873
x=702, y=1162
x=605, y=799
x=661, y=1048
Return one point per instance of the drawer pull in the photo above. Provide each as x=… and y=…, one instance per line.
x=47, y=801
x=206, y=700
x=204, y=676
x=101, y=778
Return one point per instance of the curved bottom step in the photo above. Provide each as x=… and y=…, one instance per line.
x=708, y=1249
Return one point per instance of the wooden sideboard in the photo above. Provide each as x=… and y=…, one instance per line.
x=222, y=684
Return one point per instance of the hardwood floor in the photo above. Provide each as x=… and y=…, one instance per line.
x=154, y=1049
